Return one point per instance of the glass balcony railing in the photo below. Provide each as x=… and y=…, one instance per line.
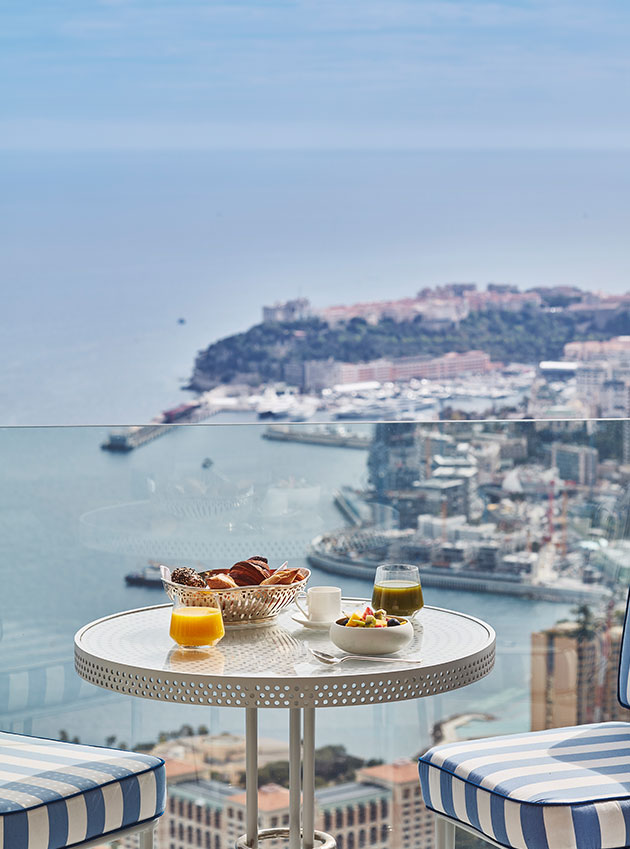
x=524, y=524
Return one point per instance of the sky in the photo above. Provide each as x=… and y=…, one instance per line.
x=138, y=74
x=200, y=159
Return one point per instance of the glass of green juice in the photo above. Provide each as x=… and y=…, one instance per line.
x=397, y=589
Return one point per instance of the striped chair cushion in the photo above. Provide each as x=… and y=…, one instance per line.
x=567, y=788
x=54, y=795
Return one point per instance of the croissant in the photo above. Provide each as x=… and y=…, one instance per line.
x=246, y=573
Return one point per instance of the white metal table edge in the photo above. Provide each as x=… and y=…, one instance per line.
x=301, y=749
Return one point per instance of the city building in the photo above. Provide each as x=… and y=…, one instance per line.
x=615, y=399
x=440, y=306
x=218, y=756
x=574, y=676
x=381, y=809
x=613, y=561
x=596, y=350
x=590, y=378
x=469, y=476
x=412, y=824
x=440, y=368
x=576, y=463
x=441, y=497
x=294, y=310
x=315, y=375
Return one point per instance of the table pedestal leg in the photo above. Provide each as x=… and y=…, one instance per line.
x=308, y=779
x=298, y=761
x=251, y=776
x=295, y=762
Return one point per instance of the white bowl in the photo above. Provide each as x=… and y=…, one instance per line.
x=372, y=641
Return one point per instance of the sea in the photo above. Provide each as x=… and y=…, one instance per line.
x=75, y=519
x=118, y=267
x=104, y=253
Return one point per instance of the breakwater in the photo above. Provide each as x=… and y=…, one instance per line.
x=335, y=437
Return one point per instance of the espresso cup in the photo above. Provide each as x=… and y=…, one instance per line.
x=323, y=604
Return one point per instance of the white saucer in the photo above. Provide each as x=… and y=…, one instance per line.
x=316, y=626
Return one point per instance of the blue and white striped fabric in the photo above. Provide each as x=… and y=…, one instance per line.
x=54, y=795
x=623, y=678
x=567, y=788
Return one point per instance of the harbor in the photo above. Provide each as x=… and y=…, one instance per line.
x=352, y=565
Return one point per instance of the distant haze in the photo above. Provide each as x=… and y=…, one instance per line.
x=196, y=160
x=324, y=74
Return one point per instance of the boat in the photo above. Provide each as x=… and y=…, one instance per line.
x=148, y=577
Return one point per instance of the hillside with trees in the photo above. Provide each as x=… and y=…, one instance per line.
x=261, y=353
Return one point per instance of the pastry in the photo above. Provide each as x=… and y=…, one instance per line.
x=221, y=582
x=187, y=576
x=247, y=574
x=282, y=576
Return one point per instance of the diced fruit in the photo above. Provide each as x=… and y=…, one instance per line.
x=370, y=619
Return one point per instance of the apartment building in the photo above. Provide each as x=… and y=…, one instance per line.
x=577, y=463
x=381, y=809
x=412, y=824
x=595, y=350
x=315, y=375
x=615, y=399
x=574, y=676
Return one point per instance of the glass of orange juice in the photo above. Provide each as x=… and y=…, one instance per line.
x=197, y=620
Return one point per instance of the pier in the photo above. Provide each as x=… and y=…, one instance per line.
x=353, y=509
x=330, y=435
x=124, y=439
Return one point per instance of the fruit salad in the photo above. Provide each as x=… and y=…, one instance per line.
x=369, y=618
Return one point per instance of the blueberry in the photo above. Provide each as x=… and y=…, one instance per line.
x=391, y=623
x=343, y=621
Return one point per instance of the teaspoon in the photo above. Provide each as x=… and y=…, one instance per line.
x=332, y=659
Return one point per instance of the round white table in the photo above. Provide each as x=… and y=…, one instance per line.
x=271, y=667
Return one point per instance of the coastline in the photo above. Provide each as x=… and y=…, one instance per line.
x=443, y=579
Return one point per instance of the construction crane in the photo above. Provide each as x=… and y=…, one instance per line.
x=444, y=515
x=565, y=504
x=549, y=534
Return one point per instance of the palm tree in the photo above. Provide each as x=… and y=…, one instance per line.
x=585, y=621
x=586, y=629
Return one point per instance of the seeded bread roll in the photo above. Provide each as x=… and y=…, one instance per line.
x=187, y=576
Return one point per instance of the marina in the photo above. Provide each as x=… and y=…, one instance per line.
x=569, y=592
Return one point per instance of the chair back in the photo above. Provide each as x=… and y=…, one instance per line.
x=623, y=678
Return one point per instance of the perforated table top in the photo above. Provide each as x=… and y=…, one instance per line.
x=268, y=667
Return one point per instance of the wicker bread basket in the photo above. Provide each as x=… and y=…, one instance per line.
x=240, y=605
